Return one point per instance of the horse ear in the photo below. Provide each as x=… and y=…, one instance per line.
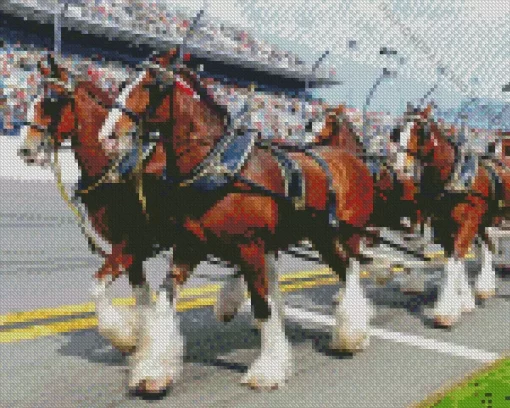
x=429, y=109
x=166, y=59
x=57, y=71
x=395, y=135
x=340, y=110
x=53, y=65
x=44, y=71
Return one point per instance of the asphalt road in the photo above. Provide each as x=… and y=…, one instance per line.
x=45, y=263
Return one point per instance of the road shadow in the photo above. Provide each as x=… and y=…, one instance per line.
x=207, y=342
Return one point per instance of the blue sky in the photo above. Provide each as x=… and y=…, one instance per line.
x=470, y=39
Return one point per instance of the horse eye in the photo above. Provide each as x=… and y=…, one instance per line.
x=395, y=135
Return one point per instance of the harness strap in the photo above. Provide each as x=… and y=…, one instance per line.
x=293, y=177
x=497, y=183
x=331, y=204
x=35, y=126
x=128, y=112
x=81, y=218
x=211, y=163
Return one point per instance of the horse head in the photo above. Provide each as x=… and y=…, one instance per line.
x=137, y=96
x=415, y=137
x=49, y=116
x=63, y=112
x=339, y=131
x=426, y=144
x=170, y=97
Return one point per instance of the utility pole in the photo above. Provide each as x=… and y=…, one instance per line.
x=386, y=73
x=307, y=79
x=440, y=73
x=57, y=28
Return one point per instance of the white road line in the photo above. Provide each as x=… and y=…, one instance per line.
x=304, y=316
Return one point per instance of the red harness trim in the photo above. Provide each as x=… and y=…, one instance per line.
x=186, y=88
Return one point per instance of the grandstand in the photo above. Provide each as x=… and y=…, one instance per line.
x=231, y=59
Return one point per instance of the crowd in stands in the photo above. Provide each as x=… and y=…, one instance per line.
x=20, y=79
x=156, y=19
x=273, y=115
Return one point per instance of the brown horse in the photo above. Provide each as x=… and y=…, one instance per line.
x=78, y=114
x=457, y=216
x=394, y=185
x=241, y=215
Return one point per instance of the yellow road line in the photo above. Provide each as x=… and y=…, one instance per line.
x=44, y=330
x=189, y=298
x=309, y=284
x=70, y=310
x=39, y=330
x=306, y=274
x=51, y=329
x=47, y=313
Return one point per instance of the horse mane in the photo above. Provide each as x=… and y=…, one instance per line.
x=104, y=97
x=205, y=97
x=350, y=126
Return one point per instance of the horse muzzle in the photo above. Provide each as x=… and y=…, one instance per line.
x=32, y=157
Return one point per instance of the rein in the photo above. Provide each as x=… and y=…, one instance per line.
x=113, y=169
x=56, y=168
x=93, y=244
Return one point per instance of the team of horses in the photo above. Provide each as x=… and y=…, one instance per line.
x=201, y=187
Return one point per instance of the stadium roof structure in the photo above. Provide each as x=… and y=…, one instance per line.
x=44, y=13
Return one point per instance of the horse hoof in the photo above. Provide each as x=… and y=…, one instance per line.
x=152, y=387
x=443, y=321
x=227, y=317
x=415, y=292
x=270, y=372
x=253, y=384
x=126, y=352
x=486, y=294
x=349, y=344
x=468, y=309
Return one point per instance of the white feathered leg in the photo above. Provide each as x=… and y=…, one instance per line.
x=448, y=305
x=428, y=234
x=467, y=297
x=160, y=347
x=485, y=286
x=230, y=299
x=142, y=294
x=274, y=365
x=415, y=282
x=119, y=325
x=353, y=314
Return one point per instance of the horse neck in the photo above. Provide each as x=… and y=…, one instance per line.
x=351, y=139
x=89, y=152
x=441, y=158
x=197, y=127
x=340, y=133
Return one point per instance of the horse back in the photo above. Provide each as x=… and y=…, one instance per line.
x=352, y=183
x=349, y=178
x=504, y=175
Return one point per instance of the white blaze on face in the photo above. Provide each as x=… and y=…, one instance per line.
x=405, y=135
x=30, y=119
x=115, y=114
